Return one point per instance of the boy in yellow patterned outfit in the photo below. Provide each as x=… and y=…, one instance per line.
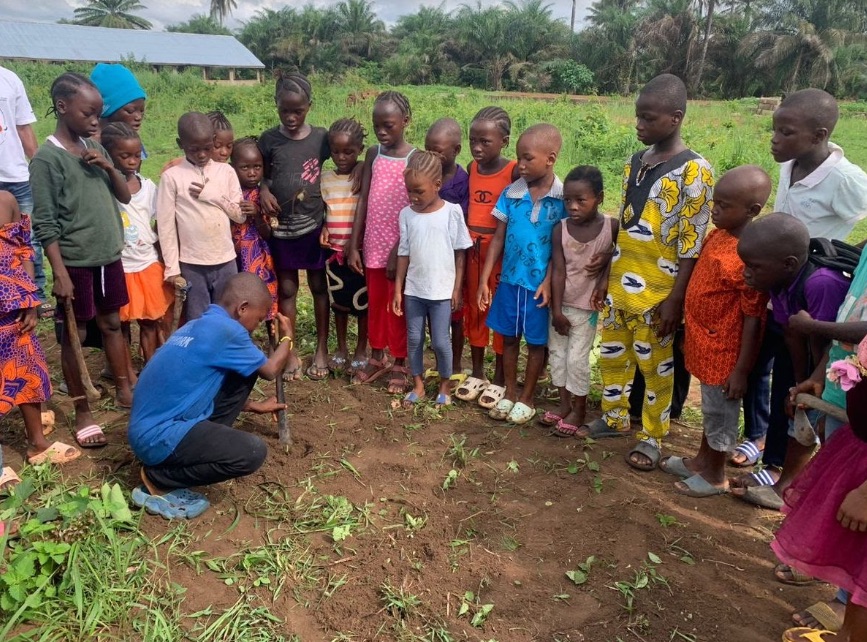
x=666, y=203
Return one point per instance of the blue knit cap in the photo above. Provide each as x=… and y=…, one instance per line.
x=117, y=85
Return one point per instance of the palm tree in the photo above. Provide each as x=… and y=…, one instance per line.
x=707, y=29
x=200, y=23
x=111, y=13
x=483, y=35
x=222, y=8
x=359, y=27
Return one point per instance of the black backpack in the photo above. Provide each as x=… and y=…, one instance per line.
x=832, y=254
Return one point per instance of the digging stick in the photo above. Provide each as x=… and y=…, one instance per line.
x=181, y=289
x=283, y=432
x=91, y=393
x=822, y=406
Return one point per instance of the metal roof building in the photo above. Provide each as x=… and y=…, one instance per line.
x=73, y=43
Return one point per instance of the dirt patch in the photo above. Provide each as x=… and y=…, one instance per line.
x=420, y=562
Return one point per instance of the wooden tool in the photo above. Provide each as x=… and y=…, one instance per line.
x=90, y=392
x=822, y=406
x=181, y=289
x=283, y=432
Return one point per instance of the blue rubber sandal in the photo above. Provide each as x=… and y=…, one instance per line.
x=443, y=400
x=169, y=506
x=412, y=398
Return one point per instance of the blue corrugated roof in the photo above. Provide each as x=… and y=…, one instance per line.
x=60, y=42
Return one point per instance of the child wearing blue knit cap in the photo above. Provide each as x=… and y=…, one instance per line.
x=122, y=96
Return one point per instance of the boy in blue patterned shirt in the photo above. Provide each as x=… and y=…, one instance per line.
x=526, y=214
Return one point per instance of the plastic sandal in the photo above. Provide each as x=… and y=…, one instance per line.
x=412, y=398
x=491, y=396
x=549, y=418
x=562, y=429
x=8, y=478
x=825, y=616
x=749, y=451
x=501, y=410
x=443, y=400
x=399, y=381
x=56, y=453
x=801, y=579
x=169, y=506
x=762, y=496
x=380, y=367
x=675, y=466
x=521, y=413
x=599, y=429
x=470, y=389
x=92, y=430
x=804, y=634
x=698, y=486
x=457, y=379
x=649, y=449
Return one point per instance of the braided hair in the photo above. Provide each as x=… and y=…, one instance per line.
x=219, y=120
x=115, y=132
x=351, y=128
x=397, y=99
x=293, y=83
x=498, y=116
x=428, y=164
x=67, y=85
x=589, y=174
x=243, y=143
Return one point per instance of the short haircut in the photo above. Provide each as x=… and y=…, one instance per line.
x=429, y=164
x=777, y=236
x=395, y=98
x=545, y=135
x=498, y=116
x=194, y=123
x=244, y=286
x=750, y=181
x=247, y=142
x=816, y=107
x=293, y=83
x=351, y=128
x=588, y=174
x=446, y=127
x=669, y=90
x=219, y=121
x=115, y=132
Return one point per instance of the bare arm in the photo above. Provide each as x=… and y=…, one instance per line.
x=353, y=248
x=848, y=332
x=736, y=385
x=62, y=288
x=670, y=311
x=275, y=364
x=458, y=290
x=495, y=249
x=399, y=281
x=28, y=139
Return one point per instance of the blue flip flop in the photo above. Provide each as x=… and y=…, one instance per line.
x=412, y=398
x=178, y=504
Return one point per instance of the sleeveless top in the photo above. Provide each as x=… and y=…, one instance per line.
x=485, y=189
x=579, y=287
x=386, y=198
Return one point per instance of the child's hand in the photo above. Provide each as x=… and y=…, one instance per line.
x=457, y=299
x=807, y=387
x=323, y=237
x=397, y=303
x=598, y=262
x=249, y=209
x=196, y=189
x=62, y=288
x=802, y=323
x=27, y=319
x=543, y=294
x=391, y=266
x=853, y=511
x=285, y=325
x=269, y=405
x=353, y=260
x=668, y=315
x=483, y=297
x=561, y=324
x=268, y=202
x=93, y=157
x=597, y=299
x=735, y=386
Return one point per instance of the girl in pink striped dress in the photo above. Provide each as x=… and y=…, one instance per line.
x=375, y=235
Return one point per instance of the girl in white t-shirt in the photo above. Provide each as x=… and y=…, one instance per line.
x=430, y=269
x=149, y=295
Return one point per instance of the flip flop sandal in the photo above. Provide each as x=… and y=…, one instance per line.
x=804, y=634
x=501, y=410
x=399, y=381
x=470, y=389
x=520, y=414
x=443, y=400
x=56, y=453
x=799, y=579
x=91, y=431
x=599, y=429
x=750, y=452
x=825, y=616
x=491, y=396
x=412, y=398
x=167, y=506
x=380, y=367
x=355, y=366
x=562, y=429
x=649, y=450
x=337, y=364
x=316, y=373
x=698, y=486
x=8, y=478
x=762, y=496
x=549, y=418
x=675, y=466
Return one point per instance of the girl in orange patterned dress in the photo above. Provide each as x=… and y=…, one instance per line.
x=250, y=237
x=24, y=379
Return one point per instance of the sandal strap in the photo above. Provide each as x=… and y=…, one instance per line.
x=89, y=431
x=763, y=478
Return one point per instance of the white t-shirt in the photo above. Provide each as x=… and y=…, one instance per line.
x=829, y=200
x=430, y=241
x=15, y=110
x=139, y=236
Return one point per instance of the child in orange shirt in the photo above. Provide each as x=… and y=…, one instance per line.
x=723, y=318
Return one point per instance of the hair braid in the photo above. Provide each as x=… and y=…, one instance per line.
x=397, y=99
x=498, y=116
x=351, y=128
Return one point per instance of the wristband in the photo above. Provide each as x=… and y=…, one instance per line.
x=289, y=339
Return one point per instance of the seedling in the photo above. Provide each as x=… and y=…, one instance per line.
x=398, y=600
x=666, y=520
x=470, y=605
x=451, y=479
x=458, y=452
x=580, y=575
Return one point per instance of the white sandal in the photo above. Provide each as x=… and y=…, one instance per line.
x=491, y=396
x=470, y=389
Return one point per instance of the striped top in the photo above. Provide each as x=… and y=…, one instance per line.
x=340, y=204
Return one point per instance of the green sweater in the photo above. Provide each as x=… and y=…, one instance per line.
x=74, y=205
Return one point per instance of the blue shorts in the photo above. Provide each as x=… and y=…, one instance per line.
x=514, y=313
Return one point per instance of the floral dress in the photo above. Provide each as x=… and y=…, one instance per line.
x=254, y=255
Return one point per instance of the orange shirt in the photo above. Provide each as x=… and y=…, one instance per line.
x=717, y=300
x=485, y=189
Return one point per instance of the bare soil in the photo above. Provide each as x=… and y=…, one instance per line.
x=522, y=512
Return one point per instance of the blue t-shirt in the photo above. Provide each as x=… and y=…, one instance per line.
x=177, y=387
x=529, y=226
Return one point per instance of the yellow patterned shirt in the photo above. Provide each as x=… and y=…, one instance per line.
x=672, y=227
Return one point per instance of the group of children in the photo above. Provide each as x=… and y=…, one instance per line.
x=406, y=239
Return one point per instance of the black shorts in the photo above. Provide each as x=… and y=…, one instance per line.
x=346, y=288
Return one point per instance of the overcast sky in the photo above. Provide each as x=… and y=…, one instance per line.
x=166, y=12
